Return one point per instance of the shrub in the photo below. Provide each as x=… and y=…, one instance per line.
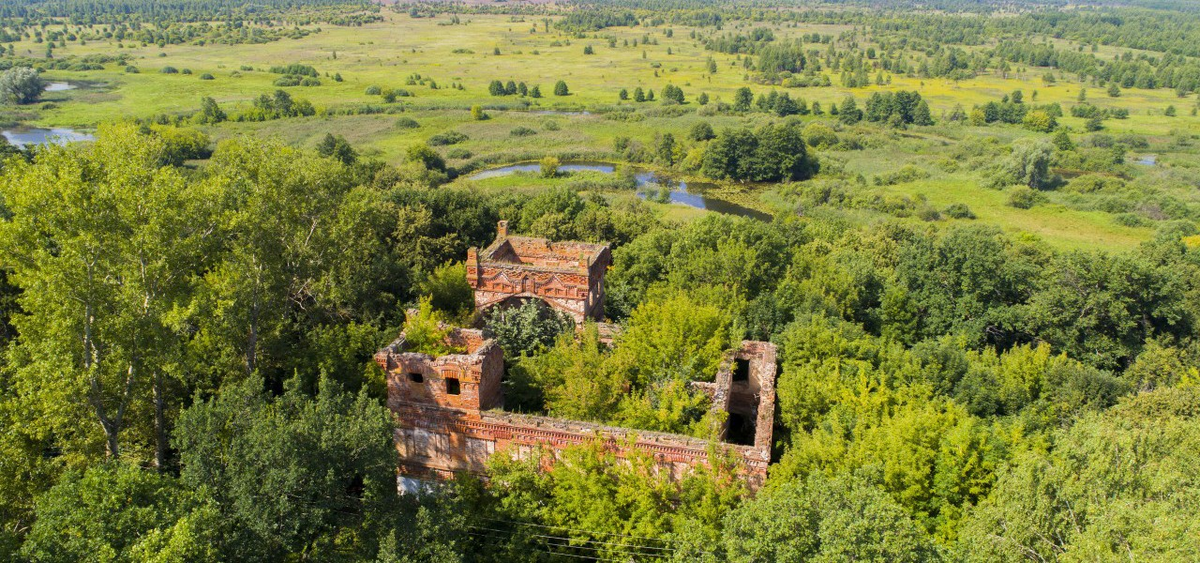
x=447, y=138
x=522, y=132
x=1130, y=220
x=310, y=82
x=285, y=81
x=549, y=166
x=906, y=173
x=186, y=71
x=459, y=153
x=959, y=211
x=820, y=136
x=1024, y=197
x=425, y=332
x=207, y=76
x=373, y=90
x=1091, y=183
x=407, y=123
x=169, y=70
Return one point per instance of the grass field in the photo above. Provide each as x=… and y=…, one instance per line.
x=388, y=53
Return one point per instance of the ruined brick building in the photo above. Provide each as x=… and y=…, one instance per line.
x=568, y=276
x=449, y=409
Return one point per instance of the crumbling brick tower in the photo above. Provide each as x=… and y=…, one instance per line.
x=568, y=276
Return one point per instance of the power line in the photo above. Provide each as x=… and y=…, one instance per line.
x=579, y=530
x=589, y=540
x=561, y=554
x=621, y=549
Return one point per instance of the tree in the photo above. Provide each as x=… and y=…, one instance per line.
x=426, y=156
x=701, y=131
x=289, y=474
x=1029, y=165
x=560, y=89
x=742, y=99
x=1114, y=91
x=477, y=113
x=528, y=328
x=448, y=290
x=117, y=511
x=848, y=111
x=921, y=114
x=1062, y=141
x=824, y=520
x=102, y=282
x=665, y=148
x=772, y=153
x=210, y=112
x=1113, y=487
x=337, y=148
x=587, y=50
x=21, y=85
x=1040, y=121
x=535, y=92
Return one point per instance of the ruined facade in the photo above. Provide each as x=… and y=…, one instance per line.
x=568, y=276
x=450, y=419
x=449, y=409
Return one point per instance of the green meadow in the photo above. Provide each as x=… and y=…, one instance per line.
x=395, y=52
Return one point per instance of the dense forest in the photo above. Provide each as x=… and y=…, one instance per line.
x=971, y=229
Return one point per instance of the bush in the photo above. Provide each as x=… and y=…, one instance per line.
x=186, y=71
x=1091, y=183
x=285, y=81
x=406, y=123
x=522, y=132
x=373, y=90
x=820, y=136
x=549, y=166
x=310, y=82
x=959, y=211
x=906, y=173
x=447, y=138
x=206, y=76
x=1130, y=220
x=459, y=153
x=1024, y=197
x=169, y=70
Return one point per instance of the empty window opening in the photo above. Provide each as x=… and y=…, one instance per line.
x=452, y=386
x=416, y=377
x=741, y=430
x=741, y=370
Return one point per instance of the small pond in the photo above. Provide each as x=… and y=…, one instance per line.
x=59, y=86
x=650, y=186
x=33, y=136
x=1148, y=160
